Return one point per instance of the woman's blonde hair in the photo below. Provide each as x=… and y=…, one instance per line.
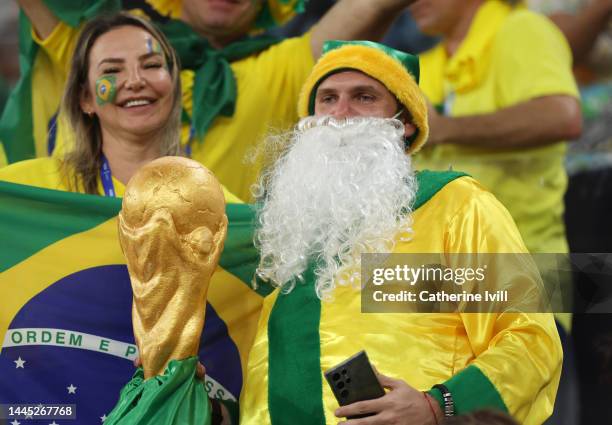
x=84, y=161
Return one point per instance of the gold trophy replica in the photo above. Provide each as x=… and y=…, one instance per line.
x=172, y=227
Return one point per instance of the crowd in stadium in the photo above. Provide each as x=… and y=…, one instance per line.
x=333, y=130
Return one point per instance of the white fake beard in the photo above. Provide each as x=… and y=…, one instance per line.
x=342, y=188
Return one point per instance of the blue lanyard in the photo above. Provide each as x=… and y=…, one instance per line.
x=107, y=178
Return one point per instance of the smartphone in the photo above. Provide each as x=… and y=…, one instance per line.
x=354, y=380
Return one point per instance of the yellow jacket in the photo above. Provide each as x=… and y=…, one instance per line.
x=508, y=361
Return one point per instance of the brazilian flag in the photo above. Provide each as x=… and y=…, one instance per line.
x=105, y=89
x=65, y=321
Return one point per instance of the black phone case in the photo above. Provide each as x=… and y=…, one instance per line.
x=354, y=380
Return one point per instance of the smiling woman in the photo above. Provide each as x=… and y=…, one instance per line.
x=122, y=102
x=122, y=99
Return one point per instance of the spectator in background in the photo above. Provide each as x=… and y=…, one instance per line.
x=504, y=99
x=588, y=202
x=233, y=85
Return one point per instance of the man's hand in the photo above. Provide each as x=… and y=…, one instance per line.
x=200, y=373
x=401, y=405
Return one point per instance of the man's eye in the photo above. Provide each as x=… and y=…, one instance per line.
x=366, y=98
x=327, y=99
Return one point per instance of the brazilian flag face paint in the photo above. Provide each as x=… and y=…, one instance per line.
x=153, y=46
x=106, y=89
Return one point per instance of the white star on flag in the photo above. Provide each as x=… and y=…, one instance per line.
x=19, y=363
x=71, y=389
x=15, y=422
x=103, y=418
x=53, y=423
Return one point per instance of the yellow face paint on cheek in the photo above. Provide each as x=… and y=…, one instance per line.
x=106, y=89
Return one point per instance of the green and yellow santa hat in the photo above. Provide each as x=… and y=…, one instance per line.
x=398, y=71
x=273, y=12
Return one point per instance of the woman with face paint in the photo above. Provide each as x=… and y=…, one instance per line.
x=122, y=102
